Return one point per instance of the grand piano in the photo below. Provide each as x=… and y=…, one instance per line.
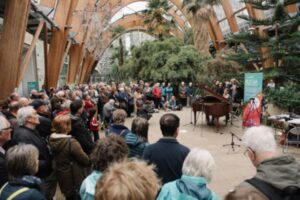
x=213, y=105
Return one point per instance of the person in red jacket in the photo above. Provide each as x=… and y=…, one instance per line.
x=156, y=93
x=94, y=124
x=88, y=103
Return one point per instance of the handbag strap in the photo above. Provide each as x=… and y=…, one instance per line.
x=267, y=189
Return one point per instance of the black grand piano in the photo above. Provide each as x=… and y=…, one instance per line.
x=213, y=105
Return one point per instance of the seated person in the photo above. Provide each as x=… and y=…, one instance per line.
x=196, y=172
x=172, y=104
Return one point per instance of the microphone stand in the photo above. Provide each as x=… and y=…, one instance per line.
x=232, y=143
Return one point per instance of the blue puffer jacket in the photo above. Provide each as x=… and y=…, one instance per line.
x=186, y=188
x=30, y=182
x=88, y=186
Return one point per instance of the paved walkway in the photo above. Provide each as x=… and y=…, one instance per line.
x=232, y=166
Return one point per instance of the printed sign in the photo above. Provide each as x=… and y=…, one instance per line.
x=32, y=86
x=252, y=95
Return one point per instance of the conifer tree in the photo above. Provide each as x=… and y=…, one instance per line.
x=281, y=37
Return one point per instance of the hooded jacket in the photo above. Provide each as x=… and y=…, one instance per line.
x=187, y=188
x=30, y=182
x=135, y=144
x=70, y=161
x=281, y=172
x=88, y=186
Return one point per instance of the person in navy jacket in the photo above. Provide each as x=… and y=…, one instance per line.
x=167, y=154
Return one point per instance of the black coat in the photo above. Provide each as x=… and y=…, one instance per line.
x=168, y=156
x=3, y=171
x=30, y=136
x=44, y=128
x=82, y=135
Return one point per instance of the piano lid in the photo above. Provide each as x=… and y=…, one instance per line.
x=213, y=93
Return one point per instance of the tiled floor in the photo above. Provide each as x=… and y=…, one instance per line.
x=232, y=166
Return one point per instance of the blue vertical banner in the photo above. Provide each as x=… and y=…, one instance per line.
x=253, y=97
x=253, y=85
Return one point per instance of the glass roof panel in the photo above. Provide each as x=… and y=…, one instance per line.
x=219, y=12
x=140, y=6
x=237, y=4
x=129, y=9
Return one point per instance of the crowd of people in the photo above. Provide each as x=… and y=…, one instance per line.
x=230, y=90
x=53, y=139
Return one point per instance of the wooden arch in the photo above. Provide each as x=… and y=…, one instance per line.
x=129, y=22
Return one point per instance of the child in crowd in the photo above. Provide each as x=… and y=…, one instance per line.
x=94, y=124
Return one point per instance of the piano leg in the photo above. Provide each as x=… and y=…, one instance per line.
x=217, y=124
x=207, y=119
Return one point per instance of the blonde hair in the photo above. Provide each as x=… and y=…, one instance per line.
x=128, y=180
x=61, y=124
x=119, y=116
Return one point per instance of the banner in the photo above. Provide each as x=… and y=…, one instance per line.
x=32, y=86
x=253, y=97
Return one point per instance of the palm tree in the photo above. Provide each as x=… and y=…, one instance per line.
x=159, y=22
x=117, y=31
x=201, y=10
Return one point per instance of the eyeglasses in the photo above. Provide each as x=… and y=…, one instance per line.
x=7, y=129
x=246, y=151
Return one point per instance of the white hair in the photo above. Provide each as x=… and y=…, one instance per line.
x=260, y=139
x=199, y=163
x=23, y=114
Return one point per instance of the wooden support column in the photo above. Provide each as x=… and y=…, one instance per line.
x=216, y=31
x=88, y=59
x=11, y=43
x=75, y=61
x=265, y=52
x=230, y=16
x=291, y=8
x=28, y=55
x=89, y=69
x=63, y=18
x=46, y=54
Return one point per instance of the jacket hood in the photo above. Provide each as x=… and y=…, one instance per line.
x=27, y=181
x=91, y=182
x=58, y=142
x=281, y=172
x=194, y=187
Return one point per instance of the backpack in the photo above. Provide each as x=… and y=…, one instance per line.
x=15, y=193
x=288, y=193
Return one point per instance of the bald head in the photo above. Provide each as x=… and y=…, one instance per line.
x=5, y=130
x=23, y=102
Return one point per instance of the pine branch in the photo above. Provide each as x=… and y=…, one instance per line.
x=256, y=22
